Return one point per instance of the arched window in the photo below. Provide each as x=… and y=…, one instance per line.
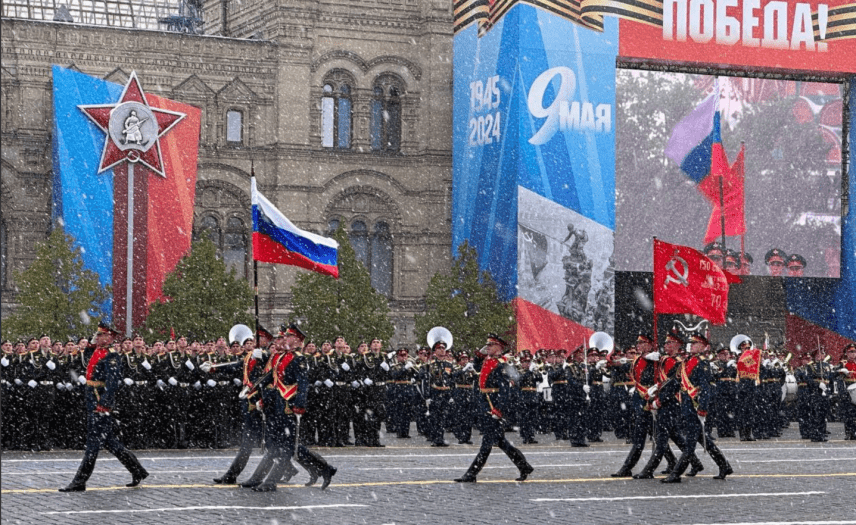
x=208, y=228
x=386, y=114
x=336, y=111
x=332, y=225
x=360, y=241
x=381, y=259
x=235, y=245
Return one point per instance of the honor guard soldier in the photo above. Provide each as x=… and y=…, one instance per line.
x=284, y=386
x=644, y=374
x=664, y=399
x=369, y=393
x=748, y=378
x=103, y=379
x=493, y=385
x=401, y=394
x=695, y=379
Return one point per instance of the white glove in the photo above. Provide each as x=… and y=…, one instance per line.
x=623, y=360
x=197, y=385
x=844, y=371
x=173, y=381
x=257, y=353
x=766, y=362
x=731, y=363
x=32, y=383
x=161, y=384
x=81, y=380
x=586, y=389
x=822, y=386
x=318, y=383
x=205, y=367
x=18, y=382
x=4, y=361
x=384, y=366
x=346, y=367
x=532, y=367
x=69, y=386
x=189, y=365
x=328, y=383
x=623, y=406
x=653, y=356
x=600, y=364
x=653, y=390
x=702, y=419
x=632, y=390
x=237, y=381
x=368, y=382
x=390, y=355
x=777, y=361
x=51, y=365
x=211, y=383
x=60, y=386
x=468, y=366
x=355, y=384
x=408, y=366
x=128, y=381
x=146, y=365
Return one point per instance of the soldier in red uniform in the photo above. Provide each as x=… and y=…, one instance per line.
x=493, y=397
x=695, y=380
x=103, y=379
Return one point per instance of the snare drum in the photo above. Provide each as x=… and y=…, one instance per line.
x=852, y=391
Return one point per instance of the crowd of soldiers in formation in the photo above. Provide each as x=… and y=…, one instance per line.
x=172, y=399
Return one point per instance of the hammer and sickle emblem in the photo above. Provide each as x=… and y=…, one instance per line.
x=676, y=274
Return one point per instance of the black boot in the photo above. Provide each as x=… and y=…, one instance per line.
x=78, y=484
x=626, y=470
x=130, y=462
x=718, y=458
x=317, y=466
x=290, y=471
x=237, y=466
x=260, y=473
x=675, y=473
x=520, y=462
x=280, y=466
x=695, y=466
x=648, y=470
x=671, y=460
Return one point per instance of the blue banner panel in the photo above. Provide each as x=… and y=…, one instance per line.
x=534, y=102
x=83, y=199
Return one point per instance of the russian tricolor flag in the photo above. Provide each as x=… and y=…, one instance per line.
x=277, y=240
x=693, y=138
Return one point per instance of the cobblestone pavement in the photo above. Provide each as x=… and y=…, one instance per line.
x=776, y=481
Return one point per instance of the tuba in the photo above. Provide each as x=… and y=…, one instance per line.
x=602, y=341
x=240, y=333
x=438, y=334
x=738, y=340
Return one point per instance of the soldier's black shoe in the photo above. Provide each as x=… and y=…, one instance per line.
x=579, y=444
x=644, y=475
x=724, y=471
x=225, y=480
x=466, y=479
x=440, y=444
x=328, y=475
x=667, y=470
x=595, y=440
x=250, y=484
x=524, y=472
x=313, y=477
x=695, y=469
x=819, y=440
x=672, y=478
x=74, y=487
x=623, y=473
x=137, y=478
x=265, y=487
x=468, y=442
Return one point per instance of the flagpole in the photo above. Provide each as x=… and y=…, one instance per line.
x=743, y=182
x=255, y=271
x=722, y=217
x=653, y=293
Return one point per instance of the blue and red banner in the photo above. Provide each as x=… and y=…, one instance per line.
x=277, y=240
x=101, y=130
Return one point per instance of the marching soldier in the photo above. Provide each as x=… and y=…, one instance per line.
x=724, y=371
x=493, y=385
x=103, y=380
x=695, y=381
x=284, y=386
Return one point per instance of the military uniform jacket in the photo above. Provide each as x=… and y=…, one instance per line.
x=695, y=382
x=668, y=380
x=289, y=377
x=494, y=387
x=103, y=379
x=439, y=378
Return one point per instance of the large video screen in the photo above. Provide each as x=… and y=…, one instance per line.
x=780, y=199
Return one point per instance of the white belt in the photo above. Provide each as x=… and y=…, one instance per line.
x=46, y=383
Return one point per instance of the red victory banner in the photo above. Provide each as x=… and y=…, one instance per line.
x=687, y=282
